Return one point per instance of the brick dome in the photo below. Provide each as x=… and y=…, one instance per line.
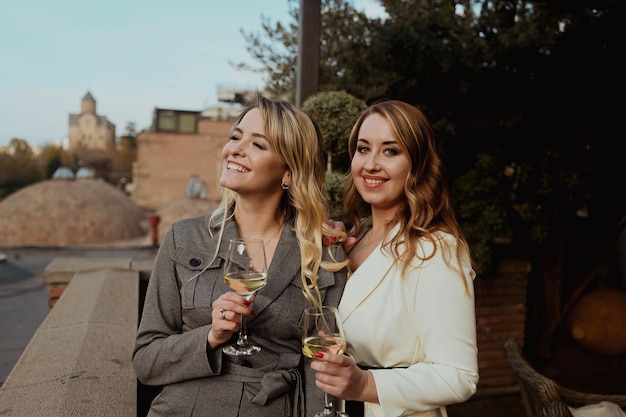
x=62, y=212
x=182, y=208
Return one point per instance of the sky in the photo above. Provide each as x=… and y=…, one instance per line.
x=132, y=56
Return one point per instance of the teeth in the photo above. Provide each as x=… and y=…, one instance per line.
x=236, y=167
x=373, y=182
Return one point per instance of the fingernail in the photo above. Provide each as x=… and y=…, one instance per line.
x=326, y=241
x=246, y=303
x=335, y=239
x=319, y=355
x=252, y=312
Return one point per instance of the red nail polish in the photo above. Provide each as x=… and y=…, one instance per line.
x=335, y=239
x=319, y=355
x=252, y=312
x=326, y=241
x=246, y=303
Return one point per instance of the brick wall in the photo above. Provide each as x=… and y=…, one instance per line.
x=500, y=314
x=166, y=161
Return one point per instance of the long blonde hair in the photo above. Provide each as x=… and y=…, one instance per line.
x=297, y=141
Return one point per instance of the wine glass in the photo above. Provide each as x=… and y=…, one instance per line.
x=322, y=332
x=245, y=272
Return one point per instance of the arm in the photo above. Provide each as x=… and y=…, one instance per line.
x=447, y=369
x=161, y=344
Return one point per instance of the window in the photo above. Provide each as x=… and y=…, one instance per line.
x=176, y=121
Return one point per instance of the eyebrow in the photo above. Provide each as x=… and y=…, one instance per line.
x=257, y=135
x=387, y=142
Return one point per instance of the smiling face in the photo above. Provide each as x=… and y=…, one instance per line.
x=249, y=164
x=380, y=166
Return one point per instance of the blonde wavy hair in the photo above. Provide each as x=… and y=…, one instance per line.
x=297, y=141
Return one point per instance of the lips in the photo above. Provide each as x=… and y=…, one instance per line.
x=236, y=167
x=373, y=181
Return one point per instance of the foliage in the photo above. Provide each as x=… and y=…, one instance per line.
x=52, y=157
x=18, y=167
x=346, y=35
x=333, y=190
x=335, y=113
x=125, y=156
x=21, y=166
x=520, y=112
x=277, y=48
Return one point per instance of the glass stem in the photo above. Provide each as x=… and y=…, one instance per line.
x=243, y=337
x=328, y=405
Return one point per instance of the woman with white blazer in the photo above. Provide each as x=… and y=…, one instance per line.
x=408, y=306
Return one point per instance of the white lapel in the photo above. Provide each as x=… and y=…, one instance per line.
x=364, y=281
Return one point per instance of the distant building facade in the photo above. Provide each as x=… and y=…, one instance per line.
x=88, y=130
x=180, y=145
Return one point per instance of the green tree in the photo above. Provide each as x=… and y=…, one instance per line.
x=125, y=156
x=18, y=167
x=345, y=35
x=507, y=92
x=52, y=157
x=335, y=113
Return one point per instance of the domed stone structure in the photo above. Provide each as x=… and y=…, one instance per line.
x=67, y=212
x=182, y=208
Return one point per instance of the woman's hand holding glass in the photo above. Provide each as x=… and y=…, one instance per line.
x=322, y=334
x=339, y=376
x=245, y=272
x=227, y=312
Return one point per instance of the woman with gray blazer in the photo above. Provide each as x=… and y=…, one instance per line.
x=272, y=174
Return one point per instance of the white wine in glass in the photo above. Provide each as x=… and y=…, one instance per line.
x=322, y=332
x=245, y=272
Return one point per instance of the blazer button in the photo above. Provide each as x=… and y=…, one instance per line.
x=195, y=262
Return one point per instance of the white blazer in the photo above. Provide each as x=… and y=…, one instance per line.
x=421, y=327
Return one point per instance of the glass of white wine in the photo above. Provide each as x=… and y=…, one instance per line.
x=245, y=272
x=322, y=332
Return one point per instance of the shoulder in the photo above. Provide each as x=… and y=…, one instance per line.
x=189, y=229
x=194, y=220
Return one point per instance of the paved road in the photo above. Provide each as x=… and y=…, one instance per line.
x=24, y=295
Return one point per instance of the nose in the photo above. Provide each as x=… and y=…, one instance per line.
x=236, y=147
x=371, y=164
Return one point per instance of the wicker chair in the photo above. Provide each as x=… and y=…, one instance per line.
x=542, y=396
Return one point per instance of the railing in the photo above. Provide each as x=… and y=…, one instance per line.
x=78, y=363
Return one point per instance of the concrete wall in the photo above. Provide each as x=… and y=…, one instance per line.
x=78, y=363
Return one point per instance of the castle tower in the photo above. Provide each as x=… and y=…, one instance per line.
x=88, y=130
x=88, y=104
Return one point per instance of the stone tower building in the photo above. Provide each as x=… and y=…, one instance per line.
x=87, y=130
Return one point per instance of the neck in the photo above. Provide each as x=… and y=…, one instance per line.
x=259, y=225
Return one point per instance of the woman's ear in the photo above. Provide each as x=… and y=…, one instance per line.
x=286, y=181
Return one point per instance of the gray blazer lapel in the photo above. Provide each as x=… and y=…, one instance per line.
x=284, y=267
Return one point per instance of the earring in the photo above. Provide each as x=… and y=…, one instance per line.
x=283, y=185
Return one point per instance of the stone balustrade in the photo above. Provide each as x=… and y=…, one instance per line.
x=78, y=363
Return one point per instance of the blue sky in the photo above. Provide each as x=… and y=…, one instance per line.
x=132, y=55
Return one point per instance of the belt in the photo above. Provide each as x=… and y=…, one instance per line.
x=266, y=386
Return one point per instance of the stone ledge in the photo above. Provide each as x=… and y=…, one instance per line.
x=63, y=269
x=79, y=360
